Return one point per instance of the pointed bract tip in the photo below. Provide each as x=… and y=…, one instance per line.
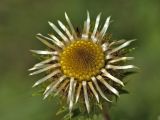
x=100, y=14
x=108, y=18
x=133, y=40
x=30, y=74
x=30, y=69
x=58, y=21
x=87, y=12
x=33, y=51
x=45, y=96
x=38, y=34
x=65, y=13
x=122, y=84
x=35, y=85
x=50, y=23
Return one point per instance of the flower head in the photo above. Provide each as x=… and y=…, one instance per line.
x=81, y=65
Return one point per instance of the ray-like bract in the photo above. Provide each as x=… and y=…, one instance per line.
x=49, y=87
x=117, y=42
x=107, y=57
x=99, y=89
x=38, y=67
x=44, y=37
x=104, y=46
x=46, y=42
x=84, y=84
x=109, y=87
x=54, y=86
x=70, y=25
x=66, y=88
x=55, y=83
x=47, y=61
x=104, y=29
x=45, y=69
x=93, y=36
x=121, y=59
x=120, y=67
x=56, y=41
x=46, y=77
x=86, y=27
x=94, y=91
x=49, y=91
x=70, y=93
x=107, y=74
x=59, y=32
x=121, y=46
x=44, y=52
x=61, y=87
x=70, y=88
x=72, y=96
x=78, y=92
x=64, y=28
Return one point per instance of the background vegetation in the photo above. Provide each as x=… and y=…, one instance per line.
x=20, y=20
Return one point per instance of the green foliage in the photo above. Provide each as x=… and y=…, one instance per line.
x=77, y=114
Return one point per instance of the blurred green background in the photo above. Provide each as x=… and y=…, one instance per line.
x=20, y=20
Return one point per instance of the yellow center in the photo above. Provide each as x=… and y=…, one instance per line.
x=82, y=59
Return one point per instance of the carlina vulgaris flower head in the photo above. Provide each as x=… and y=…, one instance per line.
x=82, y=65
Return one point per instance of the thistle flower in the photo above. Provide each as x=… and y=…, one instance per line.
x=81, y=64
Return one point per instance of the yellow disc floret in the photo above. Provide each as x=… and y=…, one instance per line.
x=82, y=59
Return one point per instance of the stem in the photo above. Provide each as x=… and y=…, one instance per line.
x=106, y=115
x=105, y=112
